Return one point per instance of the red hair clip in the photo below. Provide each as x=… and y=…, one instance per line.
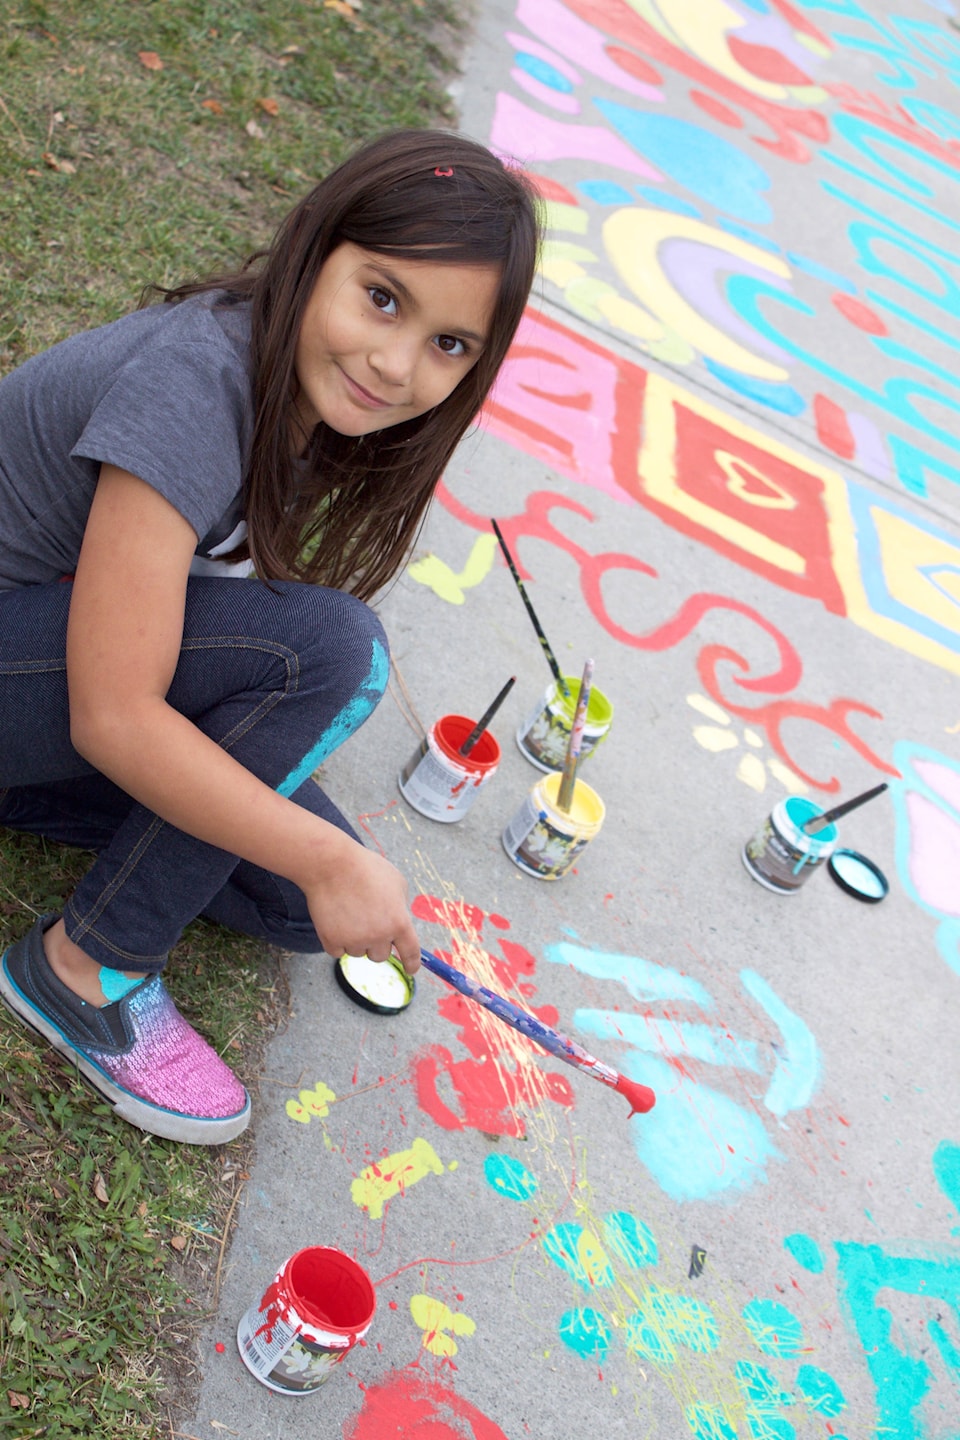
x=443, y=173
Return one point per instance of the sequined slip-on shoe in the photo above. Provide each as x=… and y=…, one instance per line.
x=138, y=1052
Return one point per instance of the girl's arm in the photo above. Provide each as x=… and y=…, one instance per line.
x=123, y=645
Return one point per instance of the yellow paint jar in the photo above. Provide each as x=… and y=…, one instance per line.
x=546, y=841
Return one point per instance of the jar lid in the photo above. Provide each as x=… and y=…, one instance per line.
x=859, y=876
x=382, y=986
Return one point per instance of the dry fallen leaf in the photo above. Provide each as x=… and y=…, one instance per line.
x=213, y=106
x=178, y=1242
x=150, y=59
x=255, y=131
x=268, y=105
x=66, y=167
x=100, y=1190
x=18, y=1401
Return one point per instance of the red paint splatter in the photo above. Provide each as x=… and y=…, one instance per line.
x=833, y=427
x=407, y=1404
x=393, y=1305
x=844, y=1121
x=551, y=189
x=220, y=1347
x=499, y=922
x=860, y=315
x=717, y=110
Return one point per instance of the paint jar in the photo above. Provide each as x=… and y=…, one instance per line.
x=546, y=841
x=320, y=1304
x=544, y=736
x=440, y=782
x=781, y=855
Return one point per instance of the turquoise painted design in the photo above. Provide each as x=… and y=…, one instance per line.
x=820, y=1391
x=630, y=1239
x=743, y=232
x=805, y=1251
x=708, y=1422
x=605, y=192
x=579, y=1254
x=115, y=984
x=798, y=1064
x=775, y=1330
x=541, y=70
x=760, y=1389
x=643, y=979
x=902, y=1380
x=946, y=1168
x=707, y=165
x=663, y=201
x=783, y=398
x=509, y=1178
x=350, y=718
x=714, y=1045
x=586, y=1332
x=769, y=1427
x=822, y=272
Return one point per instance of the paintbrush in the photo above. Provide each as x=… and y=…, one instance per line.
x=568, y=779
x=544, y=642
x=640, y=1097
x=820, y=822
x=486, y=717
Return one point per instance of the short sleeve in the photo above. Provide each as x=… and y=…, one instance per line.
x=179, y=417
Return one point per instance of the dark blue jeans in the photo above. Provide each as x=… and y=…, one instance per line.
x=277, y=676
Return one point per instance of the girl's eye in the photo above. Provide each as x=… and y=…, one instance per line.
x=382, y=299
x=450, y=345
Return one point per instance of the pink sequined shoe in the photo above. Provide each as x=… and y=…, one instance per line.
x=139, y=1052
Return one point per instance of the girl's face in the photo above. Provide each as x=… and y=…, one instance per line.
x=384, y=339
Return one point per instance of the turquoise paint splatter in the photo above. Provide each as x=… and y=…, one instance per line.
x=579, y=1255
x=350, y=718
x=760, y=1389
x=769, y=1427
x=540, y=70
x=774, y=1329
x=605, y=192
x=630, y=1239
x=820, y=1391
x=643, y=979
x=708, y=1422
x=822, y=272
x=714, y=1045
x=798, y=1064
x=665, y=1321
x=806, y=1252
x=509, y=1178
x=946, y=1167
x=587, y=1332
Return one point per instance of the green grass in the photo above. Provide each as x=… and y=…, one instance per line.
x=113, y=175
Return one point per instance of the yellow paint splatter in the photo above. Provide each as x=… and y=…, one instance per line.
x=708, y=708
x=439, y=1324
x=438, y=577
x=393, y=1175
x=751, y=772
x=312, y=1104
x=713, y=739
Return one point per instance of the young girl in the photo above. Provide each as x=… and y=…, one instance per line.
x=291, y=419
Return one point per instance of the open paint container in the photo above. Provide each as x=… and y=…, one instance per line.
x=382, y=986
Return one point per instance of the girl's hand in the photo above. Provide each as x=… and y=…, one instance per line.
x=358, y=904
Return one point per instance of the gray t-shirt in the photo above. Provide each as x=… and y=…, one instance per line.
x=164, y=393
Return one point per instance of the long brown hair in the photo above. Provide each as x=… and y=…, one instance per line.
x=347, y=514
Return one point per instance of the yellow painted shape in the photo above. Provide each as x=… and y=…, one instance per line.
x=702, y=30
x=770, y=497
x=633, y=237
x=715, y=740
x=752, y=738
x=752, y=773
x=312, y=1104
x=561, y=272
x=672, y=349
x=818, y=47
x=584, y=296
x=708, y=708
x=593, y=1259
x=439, y=1324
x=658, y=475
x=633, y=319
x=393, y=1175
x=919, y=547
x=558, y=215
x=567, y=250
x=790, y=781
x=438, y=577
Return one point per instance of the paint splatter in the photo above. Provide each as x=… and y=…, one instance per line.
x=406, y=1402
x=393, y=1175
x=805, y=1251
x=586, y=1332
x=312, y=1104
x=774, y=1329
x=509, y=1178
x=820, y=1391
x=439, y=1324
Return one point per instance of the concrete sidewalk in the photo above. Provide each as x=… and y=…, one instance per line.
x=723, y=455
